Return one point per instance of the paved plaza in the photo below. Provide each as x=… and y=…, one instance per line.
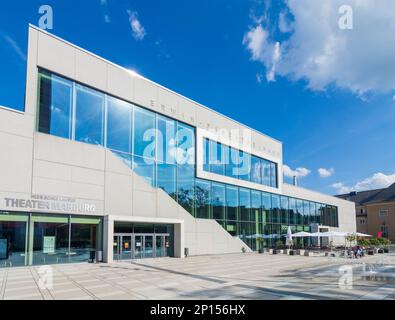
x=234, y=276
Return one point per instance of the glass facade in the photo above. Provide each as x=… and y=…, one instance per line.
x=36, y=239
x=223, y=160
x=162, y=151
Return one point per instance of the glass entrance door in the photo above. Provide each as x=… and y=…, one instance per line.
x=138, y=247
x=126, y=249
x=148, y=246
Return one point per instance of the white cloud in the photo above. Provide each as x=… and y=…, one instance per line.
x=325, y=173
x=377, y=181
x=138, y=30
x=298, y=172
x=318, y=51
x=263, y=50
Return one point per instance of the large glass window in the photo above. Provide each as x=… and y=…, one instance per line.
x=202, y=199
x=12, y=240
x=186, y=171
x=218, y=201
x=256, y=205
x=232, y=203
x=217, y=158
x=185, y=144
x=273, y=175
x=232, y=166
x=166, y=140
x=245, y=166
x=89, y=119
x=144, y=133
x=55, y=112
x=119, y=125
x=51, y=240
x=166, y=151
x=293, y=217
x=186, y=186
x=256, y=170
x=299, y=208
x=266, y=208
x=85, y=237
x=245, y=204
x=275, y=208
x=265, y=166
x=284, y=210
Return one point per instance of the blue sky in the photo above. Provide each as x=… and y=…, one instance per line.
x=284, y=68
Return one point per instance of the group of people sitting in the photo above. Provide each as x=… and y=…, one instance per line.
x=356, y=252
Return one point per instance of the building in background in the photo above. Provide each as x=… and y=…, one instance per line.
x=375, y=211
x=105, y=160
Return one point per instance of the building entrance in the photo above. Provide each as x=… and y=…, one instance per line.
x=128, y=246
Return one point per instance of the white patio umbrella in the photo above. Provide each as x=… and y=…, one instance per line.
x=288, y=239
x=359, y=234
x=270, y=236
x=301, y=234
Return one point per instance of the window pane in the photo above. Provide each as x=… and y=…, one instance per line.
x=55, y=105
x=245, y=204
x=299, y=208
x=202, y=199
x=245, y=166
x=273, y=175
x=119, y=125
x=265, y=165
x=185, y=144
x=166, y=140
x=306, y=213
x=256, y=205
x=206, y=155
x=144, y=133
x=256, y=170
x=292, y=211
x=275, y=208
x=50, y=243
x=266, y=208
x=217, y=158
x=232, y=202
x=232, y=163
x=284, y=210
x=145, y=168
x=89, y=116
x=218, y=201
x=186, y=186
x=84, y=238
x=167, y=178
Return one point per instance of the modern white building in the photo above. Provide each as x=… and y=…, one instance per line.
x=103, y=159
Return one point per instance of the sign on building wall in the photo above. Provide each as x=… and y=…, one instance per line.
x=43, y=203
x=49, y=244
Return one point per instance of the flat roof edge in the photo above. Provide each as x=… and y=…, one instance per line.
x=152, y=82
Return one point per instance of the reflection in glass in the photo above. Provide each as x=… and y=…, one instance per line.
x=275, y=208
x=284, y=210
x=89, y=119
x=202, y=199
x=256, y=170
x=245, y=166
x=245, y=204
x=144, y=133
x=218, y=201
x=266, y=208
x=186, y=186
x=15, y=234
x=232, y=203
x=145, y=168
x=119, y=125
x=232, y=165
x=55, y=105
